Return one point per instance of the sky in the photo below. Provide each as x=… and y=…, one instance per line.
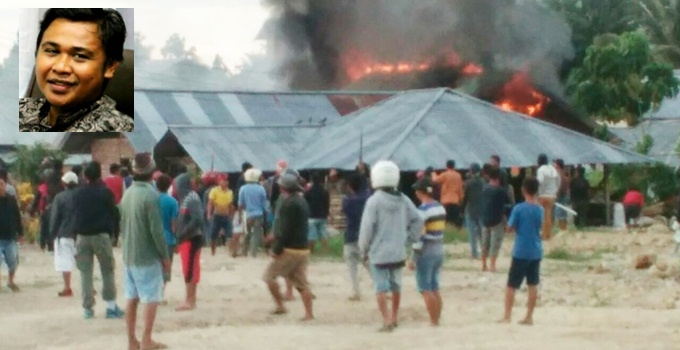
x=9, y=26
x=229, y=30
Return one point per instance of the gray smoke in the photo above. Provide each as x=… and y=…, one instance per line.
x=315, y=38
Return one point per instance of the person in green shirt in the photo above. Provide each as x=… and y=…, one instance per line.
x=145, y=252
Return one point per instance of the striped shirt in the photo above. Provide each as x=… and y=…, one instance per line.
x=434, y=215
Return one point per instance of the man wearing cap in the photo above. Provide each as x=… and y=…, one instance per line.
x=390, y=221
x=290, y=249
x=96, y=216
x=62, y=224
x=145, y=251
x=252, y=200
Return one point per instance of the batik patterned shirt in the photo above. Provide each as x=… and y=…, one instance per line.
x=100, y=115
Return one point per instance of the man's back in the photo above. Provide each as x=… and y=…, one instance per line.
x=495, y=200
x=116, y=184
x=291, y=227
x=95, y=210
x=253, y=198
x=451, y=186
x=473, y=197
x=141, y=225
x=319, y=202
x=527, y=219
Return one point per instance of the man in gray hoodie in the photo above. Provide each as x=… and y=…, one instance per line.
x=62, y=225
x=389, y=223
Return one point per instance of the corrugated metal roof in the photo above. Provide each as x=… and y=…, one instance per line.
x=666, y=136
x=670, y=107
x=225, y=148
x=156, y=110
x=425, y=128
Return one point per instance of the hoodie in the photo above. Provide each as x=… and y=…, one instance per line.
x=191, y=218
x=389, y=223
x=548, y=181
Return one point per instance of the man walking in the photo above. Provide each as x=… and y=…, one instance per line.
x=252, y=200
x=11, y=230
x=290, y=248
x=220, y=212
x=548, y=185
x=96, y=214
x=62, y=223
x=190, y=237
x=390, y=221
x=145, y=251
x=353, y=207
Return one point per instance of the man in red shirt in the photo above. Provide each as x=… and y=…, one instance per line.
x=633, y=202
x=116, y=184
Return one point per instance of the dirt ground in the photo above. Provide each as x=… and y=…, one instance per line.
x=591, y=298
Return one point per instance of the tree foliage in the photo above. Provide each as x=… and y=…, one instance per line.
x=142, y=51
x=620, y=79
x=28, y=159
x=660, y=19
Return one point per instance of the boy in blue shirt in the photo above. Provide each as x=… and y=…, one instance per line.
x=526, y=219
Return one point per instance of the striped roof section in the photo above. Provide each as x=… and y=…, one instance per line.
x=156, y=110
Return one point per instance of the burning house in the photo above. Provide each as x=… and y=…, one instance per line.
x=508, y=53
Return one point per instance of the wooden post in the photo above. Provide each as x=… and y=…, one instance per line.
x=607, y=195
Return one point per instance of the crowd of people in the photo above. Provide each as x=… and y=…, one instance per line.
x=156, y=215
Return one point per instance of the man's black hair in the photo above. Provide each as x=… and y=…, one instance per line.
x=494, y=173
x=93, y=172
x=110, y=24
x=317, y=178
x=354, y=182
x=245, y=166
x=542, y=159
x=142, y=177
x=114, y=168
x=78, y=170
x=163, y=183
x=560, y=163
x=124, y=172
x=530, y=185
x=496, y=158
x=451, y=164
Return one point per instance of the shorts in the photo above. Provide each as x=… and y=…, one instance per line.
x=386, y=279
x=561, y=214
x=632, y=212
x=190, y=252
x=521, y=269
x=167, y=275
x=220, y=222
x=9, y=253
x=144, y=283
x=492, y=239
x=317, y=229
x=292, y=266
x=427, y=272
x=64, y=254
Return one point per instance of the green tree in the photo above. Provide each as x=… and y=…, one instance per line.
x=661, y=21
x=28, y=159
x=589, y=19
x=620, y=79
x=219, y=65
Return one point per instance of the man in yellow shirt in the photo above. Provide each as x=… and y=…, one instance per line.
x=220, y=212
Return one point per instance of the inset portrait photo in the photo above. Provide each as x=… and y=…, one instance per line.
x=76, y=70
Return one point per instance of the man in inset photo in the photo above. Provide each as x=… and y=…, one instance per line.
x=77, y=52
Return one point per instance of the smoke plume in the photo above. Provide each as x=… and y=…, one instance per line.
x=316, y=40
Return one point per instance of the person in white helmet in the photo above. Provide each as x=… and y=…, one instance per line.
x=389, y=223
x=252, y=200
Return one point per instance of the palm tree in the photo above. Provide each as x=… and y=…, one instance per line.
x=661, y=21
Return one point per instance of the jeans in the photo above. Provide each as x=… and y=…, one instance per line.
x=353, y=260
x=88, y=247
x=474, y=229
x=254, y=234
x=9, y=253
x=428, y=266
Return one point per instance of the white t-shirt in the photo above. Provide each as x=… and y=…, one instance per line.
x=548, y=181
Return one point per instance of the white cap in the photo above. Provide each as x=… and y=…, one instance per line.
x=253, y=175
x=70, y=177
x=385, y=174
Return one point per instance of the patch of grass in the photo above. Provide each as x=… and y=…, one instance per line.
x=335, y=249
x=565, y=255
x=454, y=235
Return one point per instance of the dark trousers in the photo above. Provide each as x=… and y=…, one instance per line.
x=453, y=214
x=581, y=208
x=46, y=238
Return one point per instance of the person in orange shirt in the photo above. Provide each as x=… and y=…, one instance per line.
x=451, y=183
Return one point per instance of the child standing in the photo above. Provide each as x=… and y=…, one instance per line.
x=428, y=253
x=526, y=219
x=390, y=221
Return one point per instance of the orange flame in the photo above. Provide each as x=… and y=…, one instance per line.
x=519, y=96
x=359, y=65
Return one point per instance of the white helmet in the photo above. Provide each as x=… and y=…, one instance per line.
x=385, y=174
x=253, y=175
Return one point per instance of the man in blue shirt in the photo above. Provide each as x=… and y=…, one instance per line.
x=252, y=200
x=526, y=219
x=169, y=212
